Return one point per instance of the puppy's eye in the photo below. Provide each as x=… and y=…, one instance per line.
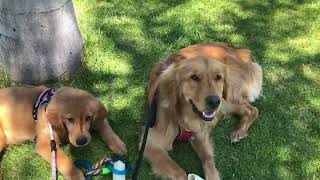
x=70, y=120
x=88, y=118
x=195, y=77
x=218, y=77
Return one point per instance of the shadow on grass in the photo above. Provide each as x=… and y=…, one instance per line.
x=286, y=128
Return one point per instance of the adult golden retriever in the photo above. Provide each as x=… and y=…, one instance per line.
x=72, y=114
x=194, y=88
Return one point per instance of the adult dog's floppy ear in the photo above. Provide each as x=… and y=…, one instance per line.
x=225, y=83
x=168, y=88
x=153, y=82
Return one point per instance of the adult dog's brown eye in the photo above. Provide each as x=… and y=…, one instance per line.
x=70, y=120
x=218, y=77
x=195, y=77
x=88, y=118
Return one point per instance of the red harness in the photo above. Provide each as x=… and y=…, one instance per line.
x=184, y=135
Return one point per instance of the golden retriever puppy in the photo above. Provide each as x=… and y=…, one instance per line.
x=72, y=114
x=194, y=89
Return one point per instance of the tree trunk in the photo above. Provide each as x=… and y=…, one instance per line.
x=39, y=40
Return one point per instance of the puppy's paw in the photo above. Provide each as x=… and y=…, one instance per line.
x=237, y=135
x=179, y=174
x=117, y=145
x=76, y=174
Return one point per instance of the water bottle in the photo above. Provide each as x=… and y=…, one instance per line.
x=120, y=166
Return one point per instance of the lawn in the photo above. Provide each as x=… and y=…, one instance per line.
x=124, y=38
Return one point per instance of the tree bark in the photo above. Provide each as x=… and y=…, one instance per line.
x=39, y=40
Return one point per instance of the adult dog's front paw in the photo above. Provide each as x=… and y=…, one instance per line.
x=237, y=135
x=214, y=176
x=116, y=145
x=210, y=171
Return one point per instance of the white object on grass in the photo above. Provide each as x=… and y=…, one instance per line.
x=120, y=166
x=194, y=177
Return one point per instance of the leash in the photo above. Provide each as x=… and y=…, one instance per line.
x=150, y=123
x=45, y=97
x=53, y=154
x=102, y=167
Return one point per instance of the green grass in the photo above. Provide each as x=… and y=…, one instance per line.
x=124, y=38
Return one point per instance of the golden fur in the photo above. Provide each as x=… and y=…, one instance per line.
x=72, y=114
x=221, y=70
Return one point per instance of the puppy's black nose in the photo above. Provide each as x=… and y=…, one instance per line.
x=212, y=102
x=81, y=140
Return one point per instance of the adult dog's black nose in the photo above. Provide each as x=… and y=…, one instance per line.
x=81, y=140
x=212, y=102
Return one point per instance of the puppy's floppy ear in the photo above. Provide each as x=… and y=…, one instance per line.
x=56, y=122
x=169, y=87
x=98, y=109
x=99, y=113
